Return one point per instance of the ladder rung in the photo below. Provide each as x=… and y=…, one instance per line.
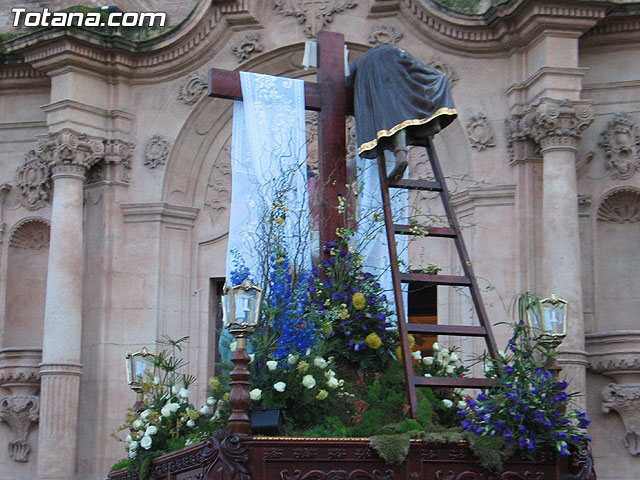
x=460, y=330
x=400, y=229
x=415, y=185
x=466, y=382
x=454, y=280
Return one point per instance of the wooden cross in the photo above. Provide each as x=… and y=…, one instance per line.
x=331, y=98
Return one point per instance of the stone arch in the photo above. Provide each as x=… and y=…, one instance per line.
x=27, y=260
x=617, y=259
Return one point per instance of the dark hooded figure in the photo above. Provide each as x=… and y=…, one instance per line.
x=398, y=100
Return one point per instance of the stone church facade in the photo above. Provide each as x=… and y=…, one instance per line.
x=115, y=188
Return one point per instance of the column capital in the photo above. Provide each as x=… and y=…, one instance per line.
x=556, y=124
x=625, y=400
x=68, y=147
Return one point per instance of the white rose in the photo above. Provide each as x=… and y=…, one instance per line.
x=450, y=369
x=488, y=368
x=447, y=403
x=329, y=374
x=444, y=352
x=174, y=407
x=427, y=374
x=211, y=401
x=255, y=394
x=191, y=423
x=132, y=454
x=279, y=386
x=232, y=346
x=146, y=442
x=453, y=358
x=292, y=359
x=307, y=352
x=435, y=347
x=333, y=382
x=272, y=365
x=417, y=355
x=133, y=446
x=128, y=439
x=137, y=424
x=184, y=393
x=174, y=389
x=308, y=381
x=462, y=405
x=204, y=410
x=156, y=380
x=151, y=430
x=427, y=361
x=188, y=442
x=320, y=362
x=252, y=357
x=166, y=411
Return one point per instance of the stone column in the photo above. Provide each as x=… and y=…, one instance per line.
x=70, y=155
x=556, y=126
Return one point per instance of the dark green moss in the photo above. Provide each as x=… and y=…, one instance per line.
x=393, y=449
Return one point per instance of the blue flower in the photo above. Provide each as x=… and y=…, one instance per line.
x=509, y=369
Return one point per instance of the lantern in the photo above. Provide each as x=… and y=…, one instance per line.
x=548, y=320
x=241, y=308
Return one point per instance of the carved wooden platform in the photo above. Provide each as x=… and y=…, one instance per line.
x=226, y=456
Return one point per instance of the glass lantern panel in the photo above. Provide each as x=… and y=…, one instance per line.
x=535, y=322
x=246, y=305
x=554, y=318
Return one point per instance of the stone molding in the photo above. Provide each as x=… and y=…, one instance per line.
x=60, y=369
x=615, y=354
x=483, y=196
x=621, y=144
x=385, y=35
x=625, y=400
x=159, y=212
x=480, y=133
x=620, y=205
x=156, y=152
x=19, y=412
x=19, y=369
x=247, y=47
x=31, y=233
x=190, y=90
x=324, y=13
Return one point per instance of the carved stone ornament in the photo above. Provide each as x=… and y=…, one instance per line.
x=620, y=206
x=33, y=181
x=444, y=68
x=384, y=34
x=622, y=146
x=117, y=159
x=30, y=234
x=313, y=14
x=156, y=152
x=520, y=146
x=191, y=89
x=480, y=133
x=625, y=400
x=249, y=45
x=19, y=412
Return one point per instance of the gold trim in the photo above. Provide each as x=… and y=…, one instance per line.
x=407, y=123
x=324, y=439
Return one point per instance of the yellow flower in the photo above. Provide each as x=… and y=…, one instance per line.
x=279, y=220
x=322, y=394
x=302, y=366
x=280, y=260
x=344, y=314
x=373, y=341
x=412, y=340
x=359, y=301
x=193, y=415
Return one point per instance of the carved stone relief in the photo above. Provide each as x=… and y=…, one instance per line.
x=444, y=68
x=313, y=14
x=19, y=412
x=117, y=160
x=480, y=133
x=625, y=400
x=33, y=181
x=312, y=142
x=5, y=188
x=249, y=45
x=30, y=234
x=191, y=89
x=620, y=206
x=622, y=146
x=218, y=192
x=384, y=34
x=156, y=152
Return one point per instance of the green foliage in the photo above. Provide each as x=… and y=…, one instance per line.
x=124, y=463
x=393, y=449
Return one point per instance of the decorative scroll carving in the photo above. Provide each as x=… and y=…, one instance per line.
x=251, y=44
x=520, y=147
x=622, y=146
x=337, y=475
x=72, y=148
x=191, y=89
x=625, y=399
x=444, y=68
x=19, y=412
x=272, y=452
x=581, y=465
x=337, y=453
x=117, y=158
x=365, y=452
x=225, y=456
x=480, y=133
x=305, y=453
x=218, y=193
x=303, y=11
x=33, y=181
x=30, y=234
x=620, y=206
x=156, y=152
x=384, y=34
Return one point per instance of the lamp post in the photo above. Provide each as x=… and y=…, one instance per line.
x=241, y=313
x=138, y=364
x=548, y=322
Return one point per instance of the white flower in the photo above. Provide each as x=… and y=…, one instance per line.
x=329, y=374
x=184, y=393
x=279, y=386
x=166, y=411
x=128, y=439
x=151, y=430
x=307, y=352
x=333, y=382
x=435, y=347
x=427, y=374
x=447, y=403
x=308, y=381
x=444, y=352
x=232, y=346
x=417, y=355
x=252, y=357
x=211, y=401
x=156, y=380
x=137, y=424
x=144, y=415
x=453, y=358
x=191, y=423
x=272, y=365
x=132, y=454
x=450, y=369
x=461, y=405
x=173, y=407
x=487, y=367
x=204, y=410
x=255, y=394
x=175, y=389
x=340, y=382
x=146, y=442
x=133, y=446
x=320, y=362
x=188, y=442
x=427, y=361
x=501, y=354
x=292, y=359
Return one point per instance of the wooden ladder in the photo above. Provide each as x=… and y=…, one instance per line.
x=468, y=280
